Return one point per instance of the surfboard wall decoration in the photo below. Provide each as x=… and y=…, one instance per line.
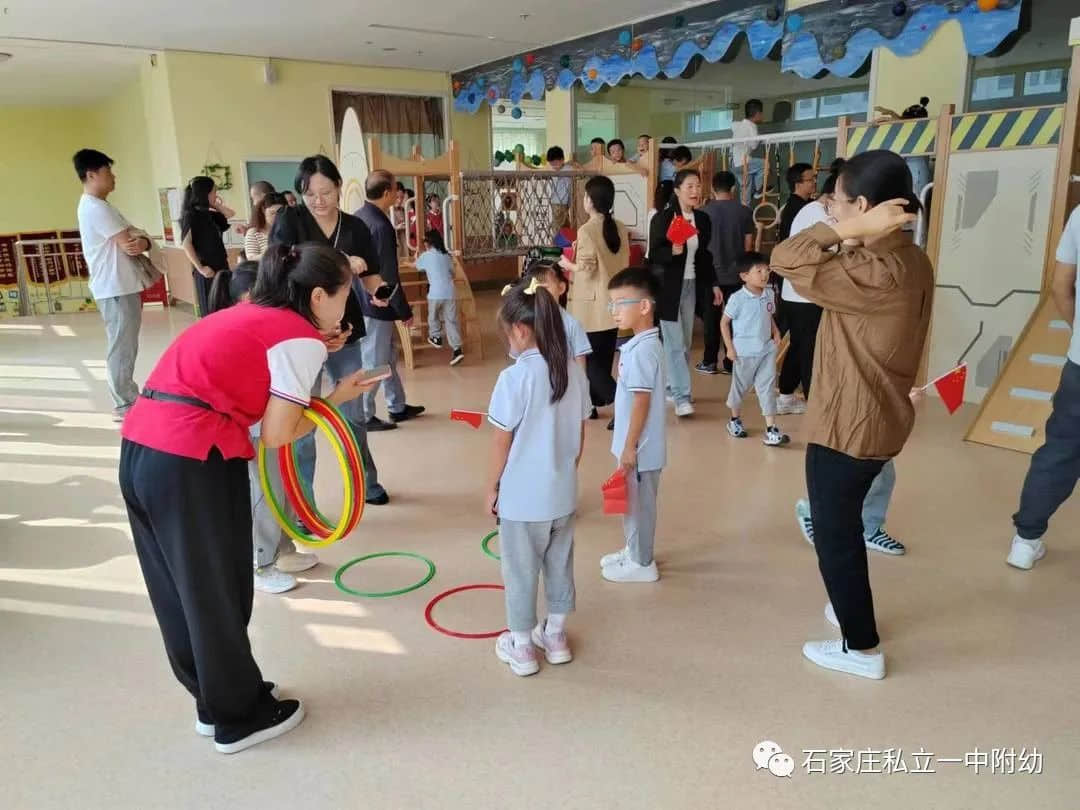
x=352, y=162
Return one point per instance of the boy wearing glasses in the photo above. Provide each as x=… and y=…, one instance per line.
x=639, y=442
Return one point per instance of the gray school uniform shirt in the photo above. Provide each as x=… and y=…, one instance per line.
x=539, y=482
x=751, y=321
x=641, y=369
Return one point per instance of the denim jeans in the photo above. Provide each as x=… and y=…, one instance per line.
x=678, y=336
x=754, y=176
x=876, y=504
x=123, y=317
x=1055, y=466
x=379, y=347
x=339, y=364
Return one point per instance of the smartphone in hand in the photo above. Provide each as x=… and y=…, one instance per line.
x=377, y=373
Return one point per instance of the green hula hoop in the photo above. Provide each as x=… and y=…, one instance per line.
x=486, y=543
x=381, y=594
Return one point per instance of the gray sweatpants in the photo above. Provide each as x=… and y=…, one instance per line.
x=526, y=549
x=443, y=311
x=123, y=317
x=267, y=536
x=757, y=371
x=639, y=522
x=378, y=347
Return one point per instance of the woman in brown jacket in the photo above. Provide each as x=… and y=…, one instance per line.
x=603, y=249
x=876, y=295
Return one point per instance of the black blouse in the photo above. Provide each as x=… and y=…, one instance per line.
x=296, y=225
x=206, y=227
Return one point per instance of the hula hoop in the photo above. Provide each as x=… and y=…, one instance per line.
x=438, y=627
x=486, y=543
x=343, y=443
x=381, y=594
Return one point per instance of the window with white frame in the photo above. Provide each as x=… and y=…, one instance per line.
x=596, y=121
x=838, y=104
x=529, y=130
x=710, y=120
x=988, y=88
x=1037, y=82
x=806, y=109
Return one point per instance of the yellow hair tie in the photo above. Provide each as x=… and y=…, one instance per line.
x=534, y=285
x=506, y=290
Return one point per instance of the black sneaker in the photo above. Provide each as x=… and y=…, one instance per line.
x=593, y=414
x=706, y=368
x=611, y=424
x=410, y=412
x=375, y=424
x=378, y=500
x=457, y=357
x=204, y=726
x=272, y=719
x=435, y=341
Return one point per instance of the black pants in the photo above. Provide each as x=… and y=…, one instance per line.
x=837, y=485
x=598, y=367
x=802, y=322
x=1055, y=466
x=191, y=522
x=727, y=290
x=202, y=292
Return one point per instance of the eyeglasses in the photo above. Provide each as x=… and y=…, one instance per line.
x=622, y=302
x=330, y=196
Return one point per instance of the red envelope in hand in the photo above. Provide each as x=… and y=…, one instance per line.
x=680, y=231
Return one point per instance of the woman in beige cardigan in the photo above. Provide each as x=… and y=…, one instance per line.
x=603, y=249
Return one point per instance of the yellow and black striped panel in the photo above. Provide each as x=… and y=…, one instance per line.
x=1007, y=129
x=903, y=137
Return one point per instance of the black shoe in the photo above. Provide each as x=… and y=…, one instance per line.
x=457, y=357
x=435, y=341
x=378, y=500
x=594, y=414
x=611, y=424
x=272, y=719
x=375, y=424
x=204, y=726
x=410, y=412
x=706, y=368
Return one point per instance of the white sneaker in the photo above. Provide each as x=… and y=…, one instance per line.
x=614, y=558
x=684, y=409
x=802, y=517
x=522, y=660
x=790, y=405
x=1025, y=553
x=833, y=655
x=555, y=646
x=626, y=570
x=270, y=580
x=295, y=561
x=830, y=615
x=774, y=437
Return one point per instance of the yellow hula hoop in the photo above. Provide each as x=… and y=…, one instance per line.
x=275, y=504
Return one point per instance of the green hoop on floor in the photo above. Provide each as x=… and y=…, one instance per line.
x=381, y=594
x=486, y=543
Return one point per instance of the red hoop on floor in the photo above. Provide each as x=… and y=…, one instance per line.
x=436, y=626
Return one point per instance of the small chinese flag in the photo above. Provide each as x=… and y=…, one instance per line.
x=950, y=387
x=473, y=418
x=614, y=493
x=680, y=230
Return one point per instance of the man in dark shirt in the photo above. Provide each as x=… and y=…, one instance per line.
x=732, y=236
x=379, y=344
x=802, y=183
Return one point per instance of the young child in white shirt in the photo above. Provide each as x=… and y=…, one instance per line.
x=639, y=442
x=436, y=263
x=539, y=407
x=751, y=337
x=552, y=277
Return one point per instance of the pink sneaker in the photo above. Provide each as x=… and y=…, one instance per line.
x=522, y=660
x=555, y=647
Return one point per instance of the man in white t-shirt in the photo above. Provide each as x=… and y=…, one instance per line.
x=747, y=129
x=1055, y=467
x=110, y=246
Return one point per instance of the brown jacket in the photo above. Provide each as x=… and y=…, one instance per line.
x=870, y=343
x=588, y=299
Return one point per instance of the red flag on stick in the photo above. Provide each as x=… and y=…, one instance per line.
x=680, y=231
x=950, y=387
x=473, y=418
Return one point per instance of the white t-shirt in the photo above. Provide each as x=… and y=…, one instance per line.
x=751, y=320
x=112, y=272
x=809, y=215
x=539, y=481
x=576, y=339
x=641, y=368
x=1068, y=252
x=744, y=128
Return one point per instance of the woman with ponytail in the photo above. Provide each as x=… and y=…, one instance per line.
x=875, y=294
x=204, y=217
x=539, y=406
x=603, y=249
x=232, y=286
x=184, y=476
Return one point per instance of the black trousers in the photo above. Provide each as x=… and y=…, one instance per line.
x=837, y=485
x=202, y=292
x=598, y=367
x=802, y=322
x=717, y=340
x=191, y=522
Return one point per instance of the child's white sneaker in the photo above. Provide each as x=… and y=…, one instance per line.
x=614, y=557
x=1025, y=553
x=555, y=646
x=830, y=615
x=834, y=654
x=802, y=517
x=789, y=404
x=626, y=570
x=295, y=561
x=735, y=428
x=270, y=580
x=684, y=409
x=522, y=660
x=774, y=437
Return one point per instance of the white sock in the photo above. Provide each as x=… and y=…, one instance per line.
x=521, y=638
x=556, y=623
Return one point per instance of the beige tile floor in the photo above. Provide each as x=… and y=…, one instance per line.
x=673, y=683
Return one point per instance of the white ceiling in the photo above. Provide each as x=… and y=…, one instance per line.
x=63, y=73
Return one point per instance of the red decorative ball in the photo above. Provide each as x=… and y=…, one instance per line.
x=987, y=5
x=593, y=74
x=492, y=93
x=457, y=86
x=636, y=45
x=530, y=58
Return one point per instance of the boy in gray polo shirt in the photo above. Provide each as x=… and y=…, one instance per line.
x=751, y=336
x=639, y=442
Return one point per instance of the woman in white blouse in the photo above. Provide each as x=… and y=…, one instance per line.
x=262, y=220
